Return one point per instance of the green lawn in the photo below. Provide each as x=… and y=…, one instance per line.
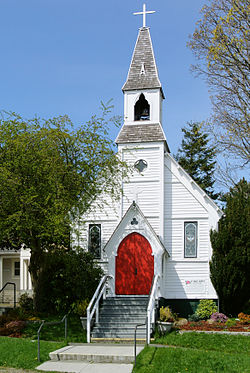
x=56, y=332
x=22, y=353
x=196, y=353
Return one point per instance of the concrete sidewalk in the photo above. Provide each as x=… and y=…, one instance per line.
x=81, y=367
x=92, y=358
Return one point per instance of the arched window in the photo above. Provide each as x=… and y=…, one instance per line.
x=142, y=109
x=190, y=249
x=95, y=239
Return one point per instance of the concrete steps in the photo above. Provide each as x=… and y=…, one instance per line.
x=96, y=353
x=118, y=318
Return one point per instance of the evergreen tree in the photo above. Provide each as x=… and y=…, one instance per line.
x=230, y=264
x=197, y=157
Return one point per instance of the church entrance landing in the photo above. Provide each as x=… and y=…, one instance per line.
x=134, y=266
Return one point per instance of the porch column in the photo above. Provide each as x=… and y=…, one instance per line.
x=28, y=276
x=21, y=273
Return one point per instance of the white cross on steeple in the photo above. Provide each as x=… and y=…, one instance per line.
x=144, y=12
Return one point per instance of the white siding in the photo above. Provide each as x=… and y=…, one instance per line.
x=181, y=203
x=174, y=238
x=147, y=197
x=187, y=280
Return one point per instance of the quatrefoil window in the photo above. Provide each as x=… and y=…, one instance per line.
x=140, y=165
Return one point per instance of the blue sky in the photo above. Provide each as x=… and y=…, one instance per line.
x=65, y=56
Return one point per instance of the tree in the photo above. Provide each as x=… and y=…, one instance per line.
x=221, y=44
x=66, y=286
x=230, y=264
x=197, y=157
x=48, y=169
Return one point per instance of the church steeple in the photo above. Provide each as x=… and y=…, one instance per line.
x=143, y=94
x=143, y=72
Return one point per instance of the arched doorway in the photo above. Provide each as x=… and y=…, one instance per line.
x=134, y=266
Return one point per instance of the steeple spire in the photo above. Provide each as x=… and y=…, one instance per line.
x=143, y=72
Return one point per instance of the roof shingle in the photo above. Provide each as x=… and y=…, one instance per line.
x=143, y=72
x=140, y=133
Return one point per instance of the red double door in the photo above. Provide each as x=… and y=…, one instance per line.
x=134, y=266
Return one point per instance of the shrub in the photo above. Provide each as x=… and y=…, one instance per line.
x=219, y=317
x=229, y=323
x=166, y=314
x=15, y=326
x=26, y=302
x=244, y=318
x=205, y=308
x=193, y=317
x=80, y=307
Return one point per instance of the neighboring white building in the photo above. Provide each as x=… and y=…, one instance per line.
x=162, y=222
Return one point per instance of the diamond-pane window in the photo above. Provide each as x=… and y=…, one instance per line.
x=140, y=165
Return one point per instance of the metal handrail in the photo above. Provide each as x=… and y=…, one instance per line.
x=151, y=306
x=94, y=303
x=137, y=326
x=10, y=283
x=64, y=319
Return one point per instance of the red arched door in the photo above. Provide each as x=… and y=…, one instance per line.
x=134, y=265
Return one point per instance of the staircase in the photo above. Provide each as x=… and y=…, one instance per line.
x=118, y=317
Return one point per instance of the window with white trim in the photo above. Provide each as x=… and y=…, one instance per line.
x=190, y=239
x=16, y=269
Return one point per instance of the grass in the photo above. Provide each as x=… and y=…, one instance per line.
x=56, y=332
x=22, y=353
x=196, y=353
x=212, y=342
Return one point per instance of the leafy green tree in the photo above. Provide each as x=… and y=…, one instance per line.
x=65, y=285
x=48, y=169
x=197, y=157
x=230, y=264
x=221, y=44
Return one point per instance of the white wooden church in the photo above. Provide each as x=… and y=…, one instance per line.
x=160, y=227
x=162, y=222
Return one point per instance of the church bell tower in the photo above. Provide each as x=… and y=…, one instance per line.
x=143, y=94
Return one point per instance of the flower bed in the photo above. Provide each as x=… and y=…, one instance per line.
x=215, y=326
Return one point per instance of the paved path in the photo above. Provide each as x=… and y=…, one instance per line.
x=81, y=367
x=92, y=358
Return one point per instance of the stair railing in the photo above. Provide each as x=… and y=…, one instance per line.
x=93, y=307
x=153, y=297
x=14, y=289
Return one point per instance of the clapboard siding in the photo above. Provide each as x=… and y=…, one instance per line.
x=151, y=155
x=147, y=196
x=181, y=203
x=174, y=238
x=187, y=280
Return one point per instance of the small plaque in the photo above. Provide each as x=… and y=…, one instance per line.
x=195, y=286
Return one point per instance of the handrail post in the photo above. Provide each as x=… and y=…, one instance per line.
x=97, y=313
x=38, y=340
x=135, y=339
x=100, y=292
x=88, y=326
x=151, y=306
x=65, y=327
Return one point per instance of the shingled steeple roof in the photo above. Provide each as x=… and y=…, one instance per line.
x=143, y=72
